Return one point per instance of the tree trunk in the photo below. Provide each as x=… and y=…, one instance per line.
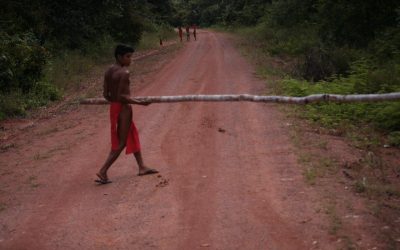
x=253, y=98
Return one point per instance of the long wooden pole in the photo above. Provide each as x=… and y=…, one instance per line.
x=254, y=98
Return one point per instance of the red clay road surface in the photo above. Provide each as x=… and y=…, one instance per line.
x=229, y=178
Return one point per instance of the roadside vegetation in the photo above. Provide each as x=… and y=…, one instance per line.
x=310, y=47
x=47, y=49
x=311, y=54
x=328, y=47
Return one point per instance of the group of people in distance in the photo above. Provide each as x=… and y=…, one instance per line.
x=194, y=27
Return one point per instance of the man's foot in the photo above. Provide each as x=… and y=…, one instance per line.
x=103, y=179
x=146, y=171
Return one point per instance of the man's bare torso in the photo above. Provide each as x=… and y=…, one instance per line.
x=116, y=83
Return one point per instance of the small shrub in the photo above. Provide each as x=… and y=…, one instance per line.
x=317, y=64
x=42, y=94
x=310, y=175
x=394, y=138
x=66, y=69
x=360, y=186
x=12, y=105
x=386, y=116
x=127, y=27
x=21, y=62
x=362, y=79
x=150, y=39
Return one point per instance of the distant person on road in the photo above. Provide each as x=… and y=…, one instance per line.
x=180, y=32
x=194, y=27
x=123, y=131
x=187, y=33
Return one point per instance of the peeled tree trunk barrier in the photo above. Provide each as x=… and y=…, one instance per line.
x=255, y=98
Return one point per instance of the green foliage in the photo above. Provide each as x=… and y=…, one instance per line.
x=46, y=46
x=11, y=105
x=151, y=39
x=67, y=70
x=387, y=45
x=127, y=28
x=354, y=23
x=289, y=13
x=292, y=41
x=394, y=138
x=21, y=62
x=387, y=116
x=209, y=15
x=335, y=47
x=360, y=186
x=325, y=36
x=17, y=103
x=364, y=78
x=42, y=94
x=207, y=12
x=71, y=24
x=310, y=175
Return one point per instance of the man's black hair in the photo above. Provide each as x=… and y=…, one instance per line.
x=121, y=50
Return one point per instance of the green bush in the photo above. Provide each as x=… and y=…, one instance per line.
x=294, y=41
x=394, y=138
x=364, y=78
x=41, y=94
x=51, y=45
x=327, y=37
x=21, y=62
x=387, y=46
x=11, y=105
x=127, y=28
x=16, y=103
x=387, y=116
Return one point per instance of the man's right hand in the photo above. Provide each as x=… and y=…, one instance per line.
x=140, y=102
x=144, y=103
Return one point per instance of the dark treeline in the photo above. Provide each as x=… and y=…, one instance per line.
x=35, y=31
x=315, y=28
x=207, y=12
x=72, y=24
x=333, y=46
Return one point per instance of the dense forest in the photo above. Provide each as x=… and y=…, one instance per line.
x=342, y=47
x=36, y=34
x=330, y=34
x=339, y=46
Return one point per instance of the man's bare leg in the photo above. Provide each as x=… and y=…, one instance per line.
x=102, y=174
x=124, y=123
x=143, y=170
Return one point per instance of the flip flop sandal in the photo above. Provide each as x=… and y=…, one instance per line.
x=102, y=182
x=150, y=171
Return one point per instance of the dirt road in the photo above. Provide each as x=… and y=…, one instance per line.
x=229, y=178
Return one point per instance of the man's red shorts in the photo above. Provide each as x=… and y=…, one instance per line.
x=132, y=141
